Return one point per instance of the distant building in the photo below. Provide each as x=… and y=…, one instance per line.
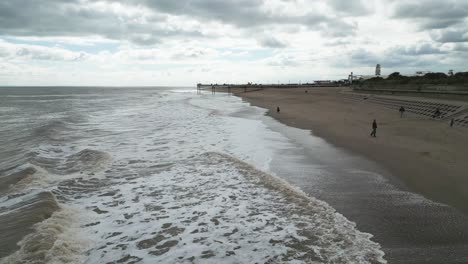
x=377, y=70
x=323, y=82
x=422, y=73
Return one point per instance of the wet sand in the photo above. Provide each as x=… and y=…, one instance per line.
x=415, y=155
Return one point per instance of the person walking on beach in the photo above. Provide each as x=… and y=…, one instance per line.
x=451, y=122
x=437, y=113
x=374, y=129
x=402, y=111
x=277, y=109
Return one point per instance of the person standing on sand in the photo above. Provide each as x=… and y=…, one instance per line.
x=402, y=111
x=277, y=109
x=374, y=129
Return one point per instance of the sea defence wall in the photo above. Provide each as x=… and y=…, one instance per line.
x=413, y=91
x=423, y=107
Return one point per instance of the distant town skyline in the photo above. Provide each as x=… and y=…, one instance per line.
x=166, y=42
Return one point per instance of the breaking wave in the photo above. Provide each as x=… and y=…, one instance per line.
x=53, y=240
x=18, y=219
x=157, y=177
x=86, y=160
x=6, y=182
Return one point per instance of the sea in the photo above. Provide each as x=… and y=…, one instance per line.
x=157, y=175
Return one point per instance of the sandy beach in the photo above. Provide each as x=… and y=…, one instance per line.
x=427, y=155
x=417, y=155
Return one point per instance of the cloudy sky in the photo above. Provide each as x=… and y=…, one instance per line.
x=172, y=42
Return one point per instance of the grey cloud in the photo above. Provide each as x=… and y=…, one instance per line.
x=3, y=52
x=248, y=14
x=144, y=40
x=364, y=57
x=353, y=8
x=450, y=9
x=190, y=54
x=460, y=47
x=400, y=56
x=446, y=20
x=439, y=23
x=52, y=18
x=272, y=42
x=284, y=62
x=433, y=14
x=10, y=52
x=451, y=35
x=243, y=13
x=338, y=42
x=76, y=18
x=388, y=60
x=414, y=50
x=338, y=29
x=79, y=18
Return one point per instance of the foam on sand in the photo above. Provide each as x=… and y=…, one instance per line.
x=214, y=208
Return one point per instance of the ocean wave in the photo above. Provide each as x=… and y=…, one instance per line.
x=87, y=160
x=12, y=179
x=162, y=197
x=60, y=127
x=54, y=240
x=55, y=96
x=54, y=130
x=22, y=213
x=7, y=109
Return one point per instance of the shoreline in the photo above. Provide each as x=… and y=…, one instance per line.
x=404, y=213
x=440, y=160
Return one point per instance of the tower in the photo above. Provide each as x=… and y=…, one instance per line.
x=377, y=70
x=350, y=78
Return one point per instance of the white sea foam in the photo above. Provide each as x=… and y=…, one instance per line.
x=216, y=209
x=180, y=189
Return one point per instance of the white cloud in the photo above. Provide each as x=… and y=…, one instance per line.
x=166, y=42
x=24, y=52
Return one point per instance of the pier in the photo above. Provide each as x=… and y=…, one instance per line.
x=255, y=87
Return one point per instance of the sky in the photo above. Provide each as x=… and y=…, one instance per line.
x=181, y=43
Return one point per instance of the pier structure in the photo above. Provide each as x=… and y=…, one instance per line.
x=254, y=86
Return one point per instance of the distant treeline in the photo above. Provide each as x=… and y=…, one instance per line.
x=433, y=78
